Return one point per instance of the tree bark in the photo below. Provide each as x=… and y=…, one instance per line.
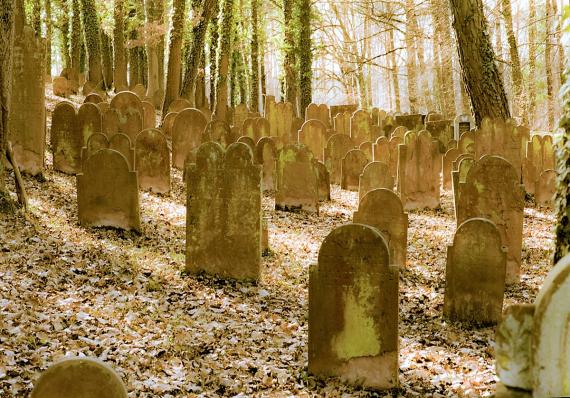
x=92, y=41
x=120, y=70
x=107, y=59
x=214, y=37
x=151, y=45
x=48, y=36
x=223, y=61
x=37, y=17
x=562, y=198
x=411, y=57
x=394, y=66
x=172, y=87
x=75, y=38
x=531, y=90
x=290, y=89
x=305, y=54
x=196, y=53
x=63, y=26
x=254, y=78
x=516, y=71
x=548, y=66
x=482, y=80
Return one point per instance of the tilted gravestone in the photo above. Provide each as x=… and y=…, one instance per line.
x=418, y=171
x=337, y=147
x=475, y=273
x=152, y=161
x=187, y=131
x=353, y=309
x=382, y=209
x=352, y=165
x=297, y=184
x=27, y=117
x=313, y=134
x=223, y=221
x=79, y=377
x=492, y=190
x=375, y=175
x=107, y=192
x=360, y=127
x=266, y=156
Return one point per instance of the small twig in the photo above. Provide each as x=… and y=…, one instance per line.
x=20, y=190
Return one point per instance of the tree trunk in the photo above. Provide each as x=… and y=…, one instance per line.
x=394, y=69
x=196, y=53
x=562, y=198
x=223, y=61
x=254, y=79
x=214, y=37
x=175, y=55
x=120, y=70
x=7, y=22
x=160, y=46
x=92, y=42
x=63, y=26
x=151, y=45
x=411, y=57
x=305, y=54
x=548, y=66
x=107, y=59
x=531, y=90
x=482, y=80
x=516, y=71
x=37, y=17
x=48, y=36
x=289, y=61
x=75, y=36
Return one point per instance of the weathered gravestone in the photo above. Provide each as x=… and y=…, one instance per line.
x=393, y=145
x=375, y=175
x=466, y=143
x=139, y=90
x=366, y=147
x=110, y=122
x=241, y=113
x=248, y=141
x=218, y=131
x=492, y=190
x=149, y=115
x=418, y=171
x=442, y=131
x=255, y=128
x=323, y=181
x=446, y=166
x=337, y=147
x=382, y=209
x=187, y=131
x=532, y=341
x=342, y=123
x=475, y=273
x=399, y=131
x=411, y=122
x=297, y=183
x=266, y=156
x=313, y=134
x=62, y=87
x=152, y=161
x=353, y=164
x=223, y=222
x=130, y=111
x=539, y=157
x=27, y=116
x=95, y=142
x=461, y=124
x=353, y=309
x=89, y=120
x=123, y=144
x=107, y=192
x=178, y=105
x=94, y=98
x=360, y=127
x=284, y=117
x=459, y=170
x=381, y=150
x=79, y=377
x=320, y=112
x=168, y=123
x=545, y=188
x=501, y=138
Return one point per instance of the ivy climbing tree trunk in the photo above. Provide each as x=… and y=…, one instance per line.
x=289, y=62
x=63, y=26
x=152, y=39
x=516, y=71
x=305, y=54
x=548, y=65
x=92, y=41
x=107, y=59
x=49, y=32
x=223, y=61
x=213, y=52
x=120, y=70
x=254, y=77
x=482, y=80
x=196, y=53
x=37, y=17
x=174, y=68
x=75, y=38
x=531, y=90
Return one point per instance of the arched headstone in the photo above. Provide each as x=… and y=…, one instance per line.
x=313, y=134
x=187, y=131
x=336, y=149
x=375, y=175
x=352, y=165
x=266, y=156
x=360, y=127
x=152, y=161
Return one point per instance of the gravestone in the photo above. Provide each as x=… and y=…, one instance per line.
x=393, y=145
x=123, y=144
x=442, y=131
x=342, y=123
x=381, y=150
x=79, y=377
x=95, y=142
x=94, y=98
x=27, y=117
x=492, y=190
x=255, y=128
x=61, y=87
x=323, y=181
x=187, y=131
x=139, y=90
x=466, y=143
x=353, y=164
x=545, y=188
x=411, y=122
x=130, y=112
x=266, y=156
x=223, y=221
x=285, y=115
x=382, y=209
x=360, y=127
x=399, y=131
x=89, y=120
x=110, y=122
x=539, y=158
x=241, y=113
x=460, y=168
x=353, y=309
x=179, y=105
x=107, y=192
x=501, y=138
x=168, y=123
x=337, y=147
x=375, y=175
x=313, y=134
x=297, y=184
x=475, y=273
x=418, y=171
x=66, y=141
x=248, y=141
x=220, y=132
x=149, y=119
x=461, y=124
x=270, y=113
x=366, y=147
x=319, y=112
x=447, y=162
x=152, y=161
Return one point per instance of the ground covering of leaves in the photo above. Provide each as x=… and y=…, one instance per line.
x=120, y=296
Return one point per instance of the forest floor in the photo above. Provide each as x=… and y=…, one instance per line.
x=121, y=296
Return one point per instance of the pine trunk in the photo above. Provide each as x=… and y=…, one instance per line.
x=92, y=41
x=172, y=87
x=482, y=80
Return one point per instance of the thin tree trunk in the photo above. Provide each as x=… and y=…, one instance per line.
x=120, y=70
x=305, y=55
x=92, y=41
x=160, y=47
x=107, y=59
x=174, y=56
x=482, y=79
x=214, y=38
x=223, y=61
x=48, y=36
x=548, y=66
x=411, y=58
x=63, y=26
x=531, y=62
x=289, y=53
x=394, y=69
x=151, y=46
x=516, y=71
x=254, y=91
x=75, y=36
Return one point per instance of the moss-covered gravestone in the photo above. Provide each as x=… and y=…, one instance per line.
x=297, y=180
x=382, y=209
x=375, y=175
x=313, y=134
x=187, y=131
x=337, y=147
x=475, y=273
x=107, y=192
x=152, y=161
x=353, y=309
x=130, y=111
x=360, y=127
x=79, y=378
x=66, y=142
x=342, y=123
x=353, y=164
x=223, y=219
